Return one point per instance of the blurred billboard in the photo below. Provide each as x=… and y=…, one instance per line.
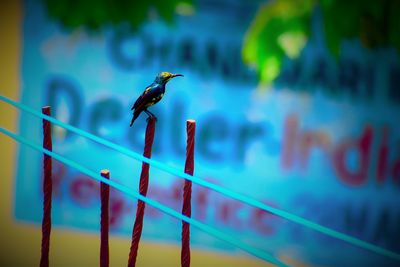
x=321, y=140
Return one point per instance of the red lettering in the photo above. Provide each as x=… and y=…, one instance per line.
x=309, y=139
x=289, y=141
x=159, y=194
x=117, y=209
x=263, y=221
x=177, y=191
x=84, y=190
x=227, y=213
x=363, y=146
x=201, y=203
x=58, y=174
x=396, y=172
x=382, y=157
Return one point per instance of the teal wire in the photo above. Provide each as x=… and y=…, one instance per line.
x=204, y=227
x=234, y=195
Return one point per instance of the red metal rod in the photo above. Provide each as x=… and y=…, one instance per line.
x=187, y=193
x=47, y=191
x=143, y=185
x=104, y=196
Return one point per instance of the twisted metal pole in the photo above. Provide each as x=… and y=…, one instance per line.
x=104, y=221
x=47, y=190
x=143, y=185
x=187, y=193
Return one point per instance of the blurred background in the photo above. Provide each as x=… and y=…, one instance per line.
x=296, y=103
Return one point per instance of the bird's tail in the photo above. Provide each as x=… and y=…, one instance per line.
x=135, y=115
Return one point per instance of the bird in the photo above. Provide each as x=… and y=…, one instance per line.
x=151, y=95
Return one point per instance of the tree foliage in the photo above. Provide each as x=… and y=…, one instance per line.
x=281, y=28
x=94, y=14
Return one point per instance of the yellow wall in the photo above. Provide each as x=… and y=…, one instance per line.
x=20, y=242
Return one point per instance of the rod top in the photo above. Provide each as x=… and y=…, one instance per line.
x=46, y=110
x=105, y=172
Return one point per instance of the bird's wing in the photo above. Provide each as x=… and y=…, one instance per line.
x=146, y=91
x=146, y=98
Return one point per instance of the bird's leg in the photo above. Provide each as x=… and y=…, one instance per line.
x=151, y=115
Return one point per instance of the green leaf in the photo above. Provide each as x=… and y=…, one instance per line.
x=280, y=29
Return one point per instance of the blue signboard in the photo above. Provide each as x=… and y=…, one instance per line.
x=322, y=143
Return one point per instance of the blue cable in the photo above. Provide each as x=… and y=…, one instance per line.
x=234, y=195
x=204, y=227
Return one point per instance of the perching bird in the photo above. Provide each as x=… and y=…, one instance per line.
x=151, y=95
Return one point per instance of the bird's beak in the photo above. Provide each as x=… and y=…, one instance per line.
x=176, y=75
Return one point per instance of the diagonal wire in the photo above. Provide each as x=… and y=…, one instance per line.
x=227, y=192
x=204, y=227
